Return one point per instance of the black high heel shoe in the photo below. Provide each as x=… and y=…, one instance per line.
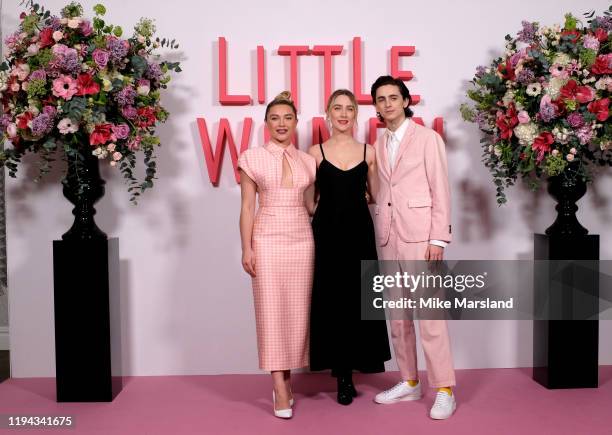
x=346, y=390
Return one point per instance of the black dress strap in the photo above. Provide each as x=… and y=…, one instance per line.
x=364, y=150
x=322, y=153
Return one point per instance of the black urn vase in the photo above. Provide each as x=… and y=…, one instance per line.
x=566, y=189
x=83, y=187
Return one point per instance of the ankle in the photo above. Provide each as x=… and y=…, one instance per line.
x=447, y=390
x=413, y=382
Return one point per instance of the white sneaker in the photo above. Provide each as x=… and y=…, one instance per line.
x=402, y=391
x=443, y=406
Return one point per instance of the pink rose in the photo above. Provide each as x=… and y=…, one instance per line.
x=100, y=57
x=523, y=117
x=121, y=131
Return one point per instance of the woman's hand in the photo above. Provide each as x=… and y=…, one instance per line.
x=248, y=262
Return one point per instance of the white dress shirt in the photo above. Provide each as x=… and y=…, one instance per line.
x=394, y=138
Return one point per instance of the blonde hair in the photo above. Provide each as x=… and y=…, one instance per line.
x=282, y=98
x=344, y=92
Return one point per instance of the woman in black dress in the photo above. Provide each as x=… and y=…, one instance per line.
x=344, y=235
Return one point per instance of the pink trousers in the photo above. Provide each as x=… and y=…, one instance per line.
x=434, y=333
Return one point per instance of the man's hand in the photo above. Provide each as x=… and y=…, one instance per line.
x=434, y=253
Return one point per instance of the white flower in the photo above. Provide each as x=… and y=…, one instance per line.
x=573, y=150
x=100, y=153
x=562, y=59
x=111, y=147
x=3, y=81
x=32, y=107
x=107, y=85
x=569, y=157
x=143, y=90
x=113, y=163
x=57, y=35
x=15, y=87
x=74, y=23
x=534, y=89
x=508, y=97
x=605, y=144
x=141, y=39
x=526, y=133
x=32, y=50
x=66, y=126
x=561, y=135
x=555, y=152
x=604, y=83
x=553, y=88
x=497, y=151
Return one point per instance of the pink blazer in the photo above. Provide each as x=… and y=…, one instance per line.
x=416, y=193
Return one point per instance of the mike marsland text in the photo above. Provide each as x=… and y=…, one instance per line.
x=443, y=304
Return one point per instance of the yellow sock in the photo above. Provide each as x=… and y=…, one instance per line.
x=412, y=382
x=446, y=390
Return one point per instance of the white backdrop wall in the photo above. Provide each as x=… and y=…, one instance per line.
x=186, y=304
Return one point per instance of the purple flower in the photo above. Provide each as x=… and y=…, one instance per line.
x=65, y=58
x=55, y=23
x=483, y=121
x=11, y=39
x=591, y=42
x=480, y=71
x=39, y=74
x=129, y=112
x=50, y=110
x=5, y=120
x=547, y=109
x=603, y=22
x=154, y=72
x=575, y=120
x=100, y=57
x=118, y=48
x=525, y=76
x=125, y=96
x=121, y=131
x=527, y=34
x=584, y=134
x=86, y=28
x=42, y=124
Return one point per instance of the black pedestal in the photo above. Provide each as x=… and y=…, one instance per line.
x=87, y=346
x=565, y=352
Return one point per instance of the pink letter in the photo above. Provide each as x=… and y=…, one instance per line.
x=361, y=98
x=320, y=133
x=224, y=134
x=294, y=51
x=327, y=51
x=396, y=52
x=437, y=125
x=373, y=125
x=224, y=97
x=261, y=84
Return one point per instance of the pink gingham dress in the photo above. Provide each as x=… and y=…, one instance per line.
x=284, y=255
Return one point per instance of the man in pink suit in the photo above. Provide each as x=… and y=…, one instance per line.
x=413, y=223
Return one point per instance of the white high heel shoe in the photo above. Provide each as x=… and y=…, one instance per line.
x=281, y=413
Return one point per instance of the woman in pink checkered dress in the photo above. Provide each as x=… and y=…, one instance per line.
x=278, y=246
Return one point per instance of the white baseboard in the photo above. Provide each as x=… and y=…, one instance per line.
x=4, y=338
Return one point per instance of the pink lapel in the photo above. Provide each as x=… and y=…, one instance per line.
x=404, y=143
x=382, y=148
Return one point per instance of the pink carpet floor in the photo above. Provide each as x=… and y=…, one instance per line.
x=491, y=401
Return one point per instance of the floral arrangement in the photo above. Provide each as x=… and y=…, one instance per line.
x=76, y=87
x=545, y=104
